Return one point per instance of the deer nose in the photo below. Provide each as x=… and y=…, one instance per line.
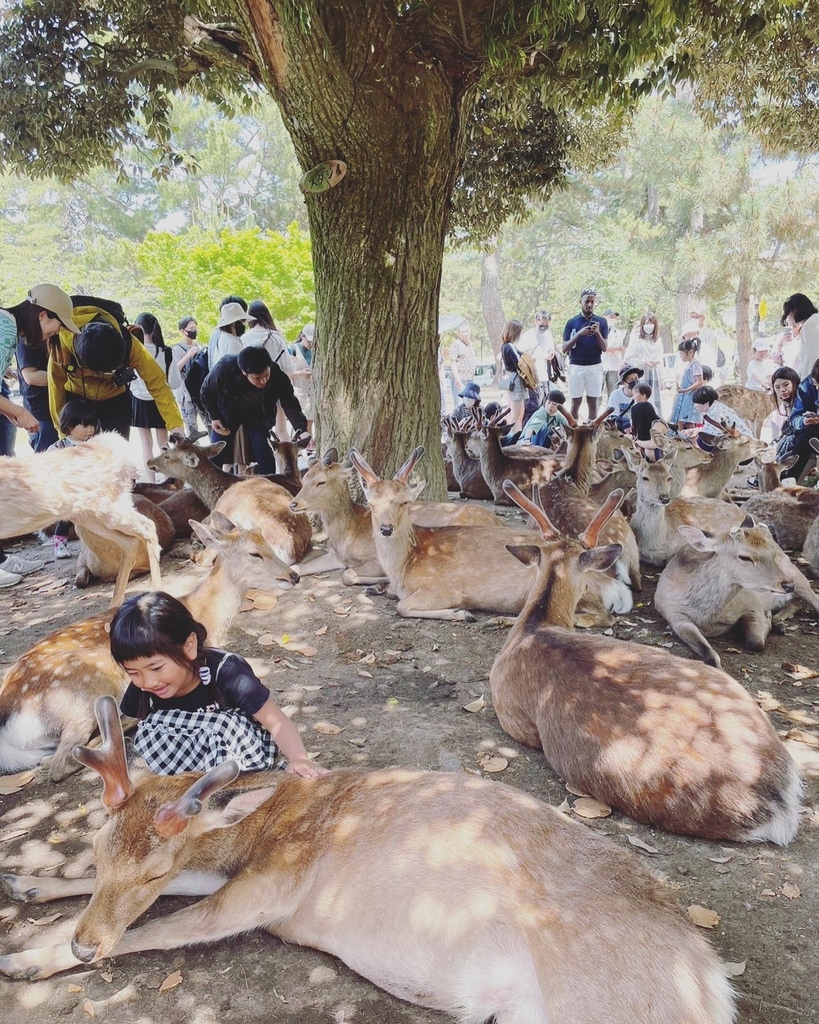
x=665, y=499
x=294, y=577
x=83, y=953
x=386, y=531
x=788, y=586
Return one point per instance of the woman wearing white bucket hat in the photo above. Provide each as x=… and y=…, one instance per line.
x=232, y=325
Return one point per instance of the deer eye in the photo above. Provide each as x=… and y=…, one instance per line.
x=255, y=554
x=745, y=558
x=320, y=483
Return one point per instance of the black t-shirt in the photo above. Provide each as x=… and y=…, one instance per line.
x=238, y=685
x=35, y=398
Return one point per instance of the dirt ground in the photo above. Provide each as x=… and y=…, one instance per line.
x=396, y=689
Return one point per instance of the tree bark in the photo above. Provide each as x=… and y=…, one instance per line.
x=370, y=99
x=742, y=306
x=491, y=298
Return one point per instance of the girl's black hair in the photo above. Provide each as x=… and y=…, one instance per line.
x=555, y=396
x=689, y=345
x=643, y=389
x=707, y=373
x=154, y=623
x=705, y=395
x=27, y=317
x=150, y=325
x=801, y=307
x=259, y=312
x=785, y=373
x=78, y=413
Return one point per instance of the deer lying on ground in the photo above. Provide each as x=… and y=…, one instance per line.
x=448, y=572
x=88, y=484
x=99, y=558
x=180, y=503
x=737, y=578
x=451, y=892
x=348, y=525
x=770, y=473
x=498, y=465
x=753, y=406
x=686, y=455
x=565, y=498
x=657, y=517
x=711, y=479
x=257, y=502
x=673, y=744
x=467, y=469
x=287, y=458
x=47, y=696
x=789, y=512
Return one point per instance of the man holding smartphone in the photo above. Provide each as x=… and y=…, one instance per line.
x=584, y=341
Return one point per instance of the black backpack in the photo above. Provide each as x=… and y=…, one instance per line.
x=198, y=369
x=113, y=309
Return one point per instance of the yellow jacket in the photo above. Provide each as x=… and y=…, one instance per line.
x=66, y=378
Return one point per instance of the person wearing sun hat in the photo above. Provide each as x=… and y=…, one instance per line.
x=761, y=367
x=233, y=318
x=39, y=317
x=471, y=396
x=622, y=397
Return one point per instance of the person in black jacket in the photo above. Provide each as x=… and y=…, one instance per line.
x=244, y=391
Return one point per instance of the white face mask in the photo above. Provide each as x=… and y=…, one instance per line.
x=648, y=328
x=469, y=402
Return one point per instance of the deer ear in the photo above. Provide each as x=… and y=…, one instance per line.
x=190, y=459
x=330, y=457
x=529, y=554
x=212, y=449
x=600, y=559
x=209, y=535
x=696, y=538
x=416, y=488
x=236, y=809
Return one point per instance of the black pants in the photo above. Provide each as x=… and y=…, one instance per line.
x=803, y=450
x=114, y=413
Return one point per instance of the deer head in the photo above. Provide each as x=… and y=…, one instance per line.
x=389, y=500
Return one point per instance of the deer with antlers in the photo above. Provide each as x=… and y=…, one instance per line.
x=466, y=468
x=451, y=892
x=451, y=571
x=498, y=465
x=673, y=744
x=47, y=696
x=732, y=447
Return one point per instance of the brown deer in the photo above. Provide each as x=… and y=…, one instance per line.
x=711, y=479
x=88, y=484
x=565, y=498
x=752, y=405
x=257, y=502
x=454, y=893
x=673, y=744
x=737, y=578
x=498, y=465
x=789, y=513
x=47, y=696
x=657, y=515
x=467, y=469
x=770, y=473
x=348, y=525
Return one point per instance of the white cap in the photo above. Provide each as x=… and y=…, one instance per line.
x=762, y=345
x=232, y=312
x=309, y=331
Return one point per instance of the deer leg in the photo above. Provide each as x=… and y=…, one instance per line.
x=130, y=550
x=327, y=562
x=31, y=889
x=424, y=604
x=691, y=635
x=364, y=574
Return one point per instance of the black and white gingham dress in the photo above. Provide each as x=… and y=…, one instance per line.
x=172, y=741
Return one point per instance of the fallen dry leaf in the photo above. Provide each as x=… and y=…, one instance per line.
x=475, y=705
x=565, y=807
x=792, y=892
x=320, y=632
x=357, y=741
x=75, y=988
x=767, y=892
x=343, y=609
x=305, y=649
x=733, y=970
x=266, y=640
x=246, y=605
x=16, y=833
x=327, y=728
x=365, y=674
x=392, y=701
x=14, y=783
x=262, y=599
x=107, y=976
x=88, y=1006
x=641, y=845
x=493, y=763
x=368, y=659
x=171, y=981
x=702, y=916
x=796, y=671
x=722, y=860
x=313, y=689
x=588, y=807
x=575, y=791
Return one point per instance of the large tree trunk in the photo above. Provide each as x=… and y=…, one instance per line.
x=743, y=320
x=378, y=237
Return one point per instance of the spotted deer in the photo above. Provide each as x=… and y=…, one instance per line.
x=752, y=405
x=710, y=480
x=47, y=696
x=739, y=578
x=451, y=892
x=348, y=525
x=497, y=465
x=674, y=744
x=90, y=485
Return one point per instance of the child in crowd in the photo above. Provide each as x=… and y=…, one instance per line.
x=197, y=706
x=622, y=398
x=643, y=416
x=544, y=426
x=760, y=367
x=683, y=415
x=78, y=424
x=707, y=403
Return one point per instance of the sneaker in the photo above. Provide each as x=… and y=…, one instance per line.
x=21, y=566
x=8, y=579
x=61, y=549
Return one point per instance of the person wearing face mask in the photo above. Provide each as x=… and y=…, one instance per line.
x=471, y=396
x=183, y=352
x=800, y=314
x=645, y=350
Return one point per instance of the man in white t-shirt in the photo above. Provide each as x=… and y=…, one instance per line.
x=539, y=342
x=612, y=358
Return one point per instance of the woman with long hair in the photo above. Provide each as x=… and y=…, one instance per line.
x=510, y=354
x=145, y=415
x=800, y=314
x=645, y=349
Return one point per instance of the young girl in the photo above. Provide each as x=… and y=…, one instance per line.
x=78, y=424
x=145, y=414
x=683, y=415
x=197, y=706
x=777, y=427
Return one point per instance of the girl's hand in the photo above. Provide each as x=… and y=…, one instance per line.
x=305, y=769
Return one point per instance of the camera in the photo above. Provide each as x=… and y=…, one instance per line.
x=124, y=375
